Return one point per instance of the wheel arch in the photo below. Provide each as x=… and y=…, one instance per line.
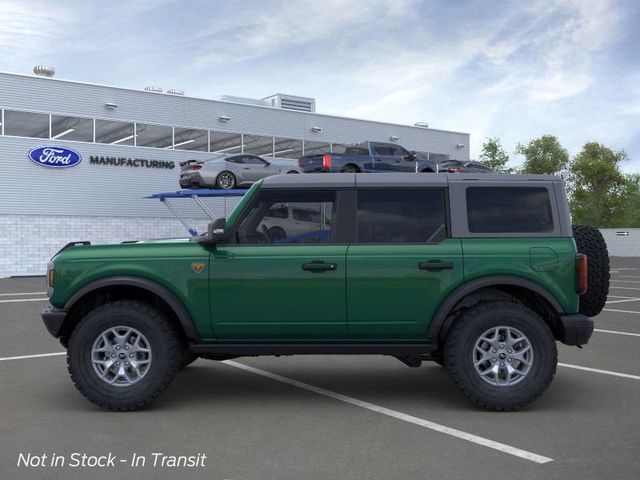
x=117, y=287
x=352, y=165
x=494, y=288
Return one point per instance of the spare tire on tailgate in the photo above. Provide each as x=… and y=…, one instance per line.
x=589, y=241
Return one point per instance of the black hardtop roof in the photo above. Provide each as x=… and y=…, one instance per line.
x=346, y=180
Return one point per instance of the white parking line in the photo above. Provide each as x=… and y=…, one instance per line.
x=40, y=355
x=17, y=294
x=18, y=300
x=619, y=311
x=485, y=442
x=622, y=301
x=616, y=332
x=596, y=370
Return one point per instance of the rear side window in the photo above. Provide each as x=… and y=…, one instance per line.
x=401, y=216
x=509, y=210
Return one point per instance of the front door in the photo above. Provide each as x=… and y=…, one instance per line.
x=402, y=265
x=278, y=281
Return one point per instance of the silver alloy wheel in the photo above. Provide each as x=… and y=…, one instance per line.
x=503, y=356
x=121, y=356
x=226, y=180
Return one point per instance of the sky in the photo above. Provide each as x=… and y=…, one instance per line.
x=513, y=70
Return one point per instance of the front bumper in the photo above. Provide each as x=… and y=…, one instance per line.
x=575, y=329
x=53, y=319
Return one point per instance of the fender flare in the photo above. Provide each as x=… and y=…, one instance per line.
x=461, y=292
x=164, y=293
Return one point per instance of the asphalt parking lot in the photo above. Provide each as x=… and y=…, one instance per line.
x=320, y=417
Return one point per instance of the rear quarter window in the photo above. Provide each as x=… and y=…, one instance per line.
x=509, y=210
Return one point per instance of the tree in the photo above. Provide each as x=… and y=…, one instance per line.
x=600, y=192
x=494, y=156
x=543, y=155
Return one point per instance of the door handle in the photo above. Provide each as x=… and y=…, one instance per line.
x=435, y=265
x=319, y=267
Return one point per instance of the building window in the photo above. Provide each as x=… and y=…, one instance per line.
x=191, y=139
x=316, y=148
x=258, y=145
x=401, y=216
x=71, y=128
x=157, y=136
x=509, y=210
x=224, y=142
x=287, y=148
x=115, y=133
x=26, y=124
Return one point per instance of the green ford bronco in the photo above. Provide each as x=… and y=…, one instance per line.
x=479, y=273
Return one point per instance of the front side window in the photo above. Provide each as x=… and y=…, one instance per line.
x=268, y=220
x=252, y=160
x=401, y=216
x=509, y=210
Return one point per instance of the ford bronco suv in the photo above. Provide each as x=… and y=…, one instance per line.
x=480, y=273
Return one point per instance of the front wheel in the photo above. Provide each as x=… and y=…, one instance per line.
x=123, y=354
x=501, y=355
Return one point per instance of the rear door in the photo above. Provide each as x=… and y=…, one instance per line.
x=277, y=282
x=402, y=265
x=392, y=158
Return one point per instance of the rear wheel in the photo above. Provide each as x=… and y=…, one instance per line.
x=501, y=355
x=350, y=169
x=590, y=242
x=292, y=172
x=123, y=354
x=225, y=180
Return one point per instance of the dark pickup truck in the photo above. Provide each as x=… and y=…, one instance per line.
x=370, y=157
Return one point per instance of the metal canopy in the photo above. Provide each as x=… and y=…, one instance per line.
x=195, y=195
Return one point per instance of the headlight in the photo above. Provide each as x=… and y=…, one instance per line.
x=51, y=278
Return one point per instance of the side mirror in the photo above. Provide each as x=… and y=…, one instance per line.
x=216, y=233
x=411, y=157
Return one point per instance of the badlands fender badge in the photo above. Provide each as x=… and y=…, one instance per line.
x=197, y=267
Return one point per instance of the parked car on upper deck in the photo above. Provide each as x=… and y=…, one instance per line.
x=368, y=157
x=459, y=166
x=231, y=171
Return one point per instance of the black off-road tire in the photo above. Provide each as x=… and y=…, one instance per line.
x=461, y=342
x=164, y=341
x=589, y=241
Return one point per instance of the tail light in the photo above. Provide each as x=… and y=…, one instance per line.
x=326, y=161
x=582, y=273
x=197, y=166
x=299, y=163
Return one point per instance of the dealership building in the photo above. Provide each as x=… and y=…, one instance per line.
x=127, y=144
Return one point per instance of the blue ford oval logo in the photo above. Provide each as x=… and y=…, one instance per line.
x=55, y=157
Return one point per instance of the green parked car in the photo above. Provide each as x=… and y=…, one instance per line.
x=480, y=273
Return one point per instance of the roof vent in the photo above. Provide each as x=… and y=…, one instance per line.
x=291, y=102
x=153, y=88
x=175, y=91
x=44, y=71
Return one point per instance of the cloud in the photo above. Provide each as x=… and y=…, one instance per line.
x=31, y=28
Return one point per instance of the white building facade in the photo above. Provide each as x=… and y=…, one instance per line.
x=129, y=144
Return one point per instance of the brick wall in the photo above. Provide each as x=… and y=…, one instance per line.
x=27, y=242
